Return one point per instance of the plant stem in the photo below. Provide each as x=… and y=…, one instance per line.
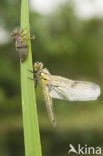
x=30, y=119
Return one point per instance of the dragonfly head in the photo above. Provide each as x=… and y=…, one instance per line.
x=38, y=66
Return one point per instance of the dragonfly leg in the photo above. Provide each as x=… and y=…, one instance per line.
x=30, y=71
x=30, y=78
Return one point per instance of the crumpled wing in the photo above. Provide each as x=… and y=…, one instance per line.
x=49, y=104
x=73, y=90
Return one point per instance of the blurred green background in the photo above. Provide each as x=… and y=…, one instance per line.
x=69, y=47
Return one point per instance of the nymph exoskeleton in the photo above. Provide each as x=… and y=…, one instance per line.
x=20, y=44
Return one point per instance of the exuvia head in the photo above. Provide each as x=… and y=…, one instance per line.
x=14, y=33
x=38, y=66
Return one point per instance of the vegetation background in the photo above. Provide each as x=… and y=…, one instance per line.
x=69, y=47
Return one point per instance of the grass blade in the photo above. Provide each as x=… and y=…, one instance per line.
x=30, y=119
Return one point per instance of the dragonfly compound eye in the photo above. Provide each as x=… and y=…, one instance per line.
x=38, y=66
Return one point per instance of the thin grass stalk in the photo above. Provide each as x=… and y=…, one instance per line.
x=29, y=110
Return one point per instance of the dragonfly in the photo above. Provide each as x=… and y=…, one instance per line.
x=62, y=88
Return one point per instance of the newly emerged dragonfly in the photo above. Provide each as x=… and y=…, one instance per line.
x=62, y=88
x=21, y=46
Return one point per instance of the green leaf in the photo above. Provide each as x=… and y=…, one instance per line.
x=30, y=119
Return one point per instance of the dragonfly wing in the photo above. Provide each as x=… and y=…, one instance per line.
x=55, y=92
x=49, y=104
x=76, y=91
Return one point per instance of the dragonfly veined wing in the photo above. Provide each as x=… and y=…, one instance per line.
x=70, y=90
